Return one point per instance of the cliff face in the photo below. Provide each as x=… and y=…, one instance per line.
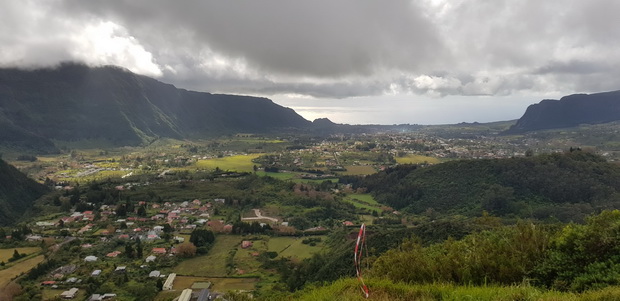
x=570, y=111
x=75, y=102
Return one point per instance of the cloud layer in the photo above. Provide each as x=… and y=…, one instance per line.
x=330, y=49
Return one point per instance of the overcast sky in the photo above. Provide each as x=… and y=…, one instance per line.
x=354, y=61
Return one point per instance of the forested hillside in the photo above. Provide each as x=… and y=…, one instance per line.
x=17, y=193
x=566, y=186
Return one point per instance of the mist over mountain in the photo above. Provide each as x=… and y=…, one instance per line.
x=76, y=102
x=570, y=111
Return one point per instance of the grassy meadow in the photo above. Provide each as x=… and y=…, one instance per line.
x=365, y=201
x=240, y=163
x=214, y=263
x=358, y=170
x=19, y=268
x=6, y=254
x=417, y=159
x=293, y=247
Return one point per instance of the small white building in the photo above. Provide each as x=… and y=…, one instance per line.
x=154, y=274
x=169, y=281
x=90, y=258
x=70, y=294
x=186, y=295
x=150, y=258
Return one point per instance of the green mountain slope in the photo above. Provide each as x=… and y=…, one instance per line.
x=17, y=193
x=566, y=186
x=74, y=102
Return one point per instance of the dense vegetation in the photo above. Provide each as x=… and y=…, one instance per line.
x=17, y=193
x=575, y=258
x=566, y=186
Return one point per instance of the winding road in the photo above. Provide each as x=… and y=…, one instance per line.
x=259, y=216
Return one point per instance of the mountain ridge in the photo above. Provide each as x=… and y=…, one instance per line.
x=569, y=111
x=73, y=102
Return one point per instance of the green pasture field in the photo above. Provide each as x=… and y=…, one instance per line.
x=212, y=264
x=293, y=246
x=240, y=163
x=358, y=170
x=277, y=175
x=365, y=201
x=417, y=159
x=19, y=268
x=245, y=261
x=102, y=175
x=5, y=254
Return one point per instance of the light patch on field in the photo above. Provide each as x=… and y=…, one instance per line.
x=22, y=267
x=358, y=170
x=417, y=159
x=240, y=163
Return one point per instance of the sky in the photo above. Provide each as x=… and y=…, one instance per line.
x=353, y=61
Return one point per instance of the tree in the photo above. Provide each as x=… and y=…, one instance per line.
x=201, y=237
x=187, y=249
x=129, y=251
x=141, y=211
x=16, y=255
x=139, y=248
x=121, y=210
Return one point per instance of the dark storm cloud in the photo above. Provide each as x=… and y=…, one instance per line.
x=330, y=49
x=308, y=38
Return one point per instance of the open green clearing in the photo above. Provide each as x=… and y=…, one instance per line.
x=293, y=247
x=21, y=267
x=212, y=264
x=358, y=170
x=246, y=262
x=417, y=159
x=5, y=254
x=277, y=175
x=240, y=163
x=365, y=201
